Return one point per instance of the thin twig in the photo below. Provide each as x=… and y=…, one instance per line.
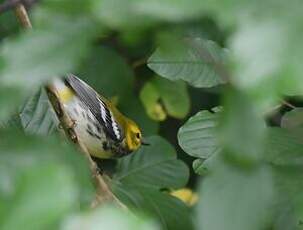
x=22, y=16
x=288, y=104
x=104, y=194
x=139, y=63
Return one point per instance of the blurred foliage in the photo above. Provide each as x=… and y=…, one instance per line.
x=108, y=217
x=228, y=186
x=164, y=64
x=42, y=180
x=293, y=119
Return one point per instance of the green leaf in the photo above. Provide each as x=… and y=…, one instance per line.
x=203, y=166
x=266, y=81
x=293, y=119
x=109, y=218
x=234, y=199
x=153, y=166
x=168, y=210
x=66, y=7
x=43, y=195
x=231, y=12
x=8, y=24
x=13, y=122
x=289, y=200
x=242, y=129
x=56, y=46
x=171, y=11
x=283, y=147
x=275, y=27
x=19, y=153
x=37, y=115
x=141, y=14
x=105, y=70
x=42, y=181
x=284, y=153
x=54, y=51
x=198, y=137
x=159, y=93
x=193, y=60
x=140, y=177
x=174, y=96
x=10, y=97
x=150, y=98
x=280, y=38
x=198, y=166
x=124, y=16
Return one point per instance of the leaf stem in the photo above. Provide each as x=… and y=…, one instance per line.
x=104, y=194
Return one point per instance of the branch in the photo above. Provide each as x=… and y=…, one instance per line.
x=104, y=194
x=11, y=4
x=22, y=16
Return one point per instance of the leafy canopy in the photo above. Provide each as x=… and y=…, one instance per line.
x=247, y=52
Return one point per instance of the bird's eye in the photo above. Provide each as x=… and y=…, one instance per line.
x=138, y=135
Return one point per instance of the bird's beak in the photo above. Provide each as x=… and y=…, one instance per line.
x=143, y=142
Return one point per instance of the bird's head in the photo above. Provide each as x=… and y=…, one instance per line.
x=133, y=136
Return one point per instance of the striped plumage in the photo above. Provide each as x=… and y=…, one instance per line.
x=98, y=124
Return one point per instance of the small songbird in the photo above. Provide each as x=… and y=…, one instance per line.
x=99, y=125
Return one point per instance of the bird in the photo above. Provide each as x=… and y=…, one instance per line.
x=98, y=124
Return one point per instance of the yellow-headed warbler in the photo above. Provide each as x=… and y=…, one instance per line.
x=99, y=125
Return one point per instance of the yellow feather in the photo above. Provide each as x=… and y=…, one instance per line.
x=66, y=94
x=130, y=128
x=131, y=131
x=99, y=153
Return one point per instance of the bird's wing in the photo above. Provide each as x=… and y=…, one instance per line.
x=96, y=105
